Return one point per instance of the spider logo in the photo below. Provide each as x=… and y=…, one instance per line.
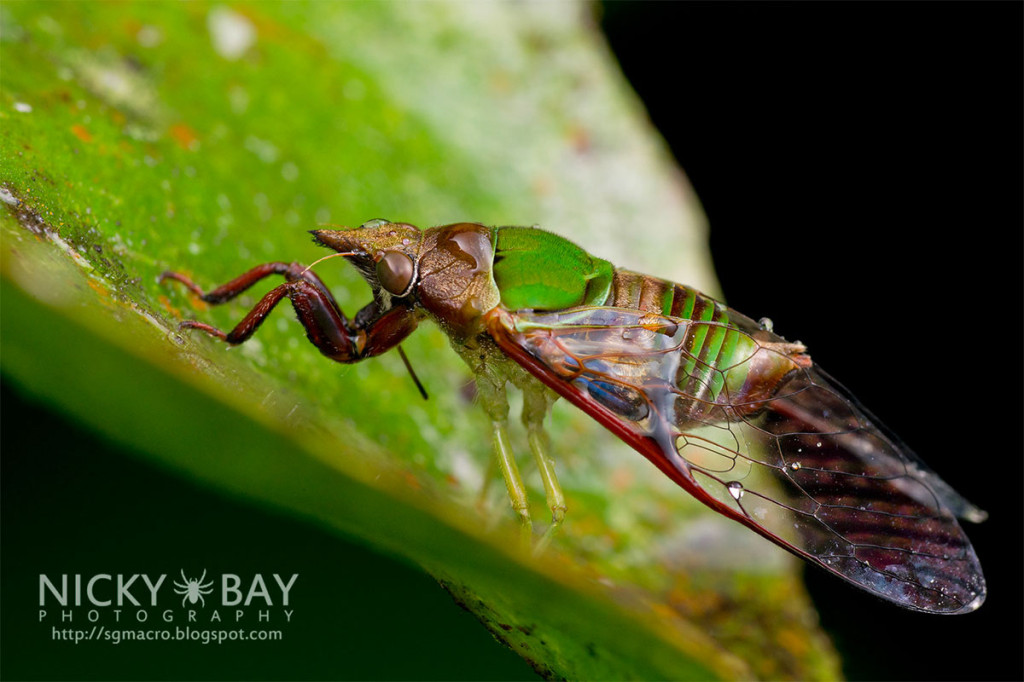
x=193, y=589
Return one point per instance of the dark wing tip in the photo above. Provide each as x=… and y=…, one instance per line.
x=973, y=606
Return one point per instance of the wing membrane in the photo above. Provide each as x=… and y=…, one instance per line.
x=756, y=431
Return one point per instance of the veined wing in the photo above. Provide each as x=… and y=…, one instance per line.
x=744, y=421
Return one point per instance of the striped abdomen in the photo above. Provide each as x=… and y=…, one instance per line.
x=727, y=359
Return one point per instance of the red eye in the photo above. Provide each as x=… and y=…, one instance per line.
x=395, y=272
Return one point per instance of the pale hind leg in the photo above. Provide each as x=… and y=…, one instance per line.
x=493, y=372
x=495, y=401
x=537, y=402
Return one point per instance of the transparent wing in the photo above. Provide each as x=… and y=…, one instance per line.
x=759, y=433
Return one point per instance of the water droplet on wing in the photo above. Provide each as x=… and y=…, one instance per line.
x=735, y=489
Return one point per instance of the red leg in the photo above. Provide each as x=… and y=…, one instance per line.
x=370, y=333
x=291, y=271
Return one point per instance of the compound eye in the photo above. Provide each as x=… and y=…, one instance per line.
x=395, y=272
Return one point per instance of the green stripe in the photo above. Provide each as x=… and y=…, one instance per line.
x=667, y=297
x=688, y=301
x=707, y=314
x=723, y=361
x=739, y=363
x=710, y=356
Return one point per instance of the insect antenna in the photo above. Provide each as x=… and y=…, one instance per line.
x=416, y=379
x=328, y=257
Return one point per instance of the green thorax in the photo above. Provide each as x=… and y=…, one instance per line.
x=539, y=270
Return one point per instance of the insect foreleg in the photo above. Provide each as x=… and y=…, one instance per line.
x=370, y=333
x=291, y=271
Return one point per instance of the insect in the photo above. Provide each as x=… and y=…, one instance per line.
x=193, y=589
x=733, y=413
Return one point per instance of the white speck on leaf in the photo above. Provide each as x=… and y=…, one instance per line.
x=289, y=171
x=231, y=32
x=7, y=197
x=149, y=36
x=265, y=150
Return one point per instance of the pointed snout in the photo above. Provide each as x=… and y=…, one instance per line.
x=371, y=238
x=339, y=240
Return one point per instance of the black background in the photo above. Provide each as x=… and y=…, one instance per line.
x=860, y=165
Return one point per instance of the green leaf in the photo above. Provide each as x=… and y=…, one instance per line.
x=208, y=138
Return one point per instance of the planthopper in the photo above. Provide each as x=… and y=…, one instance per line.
x=733, y=413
